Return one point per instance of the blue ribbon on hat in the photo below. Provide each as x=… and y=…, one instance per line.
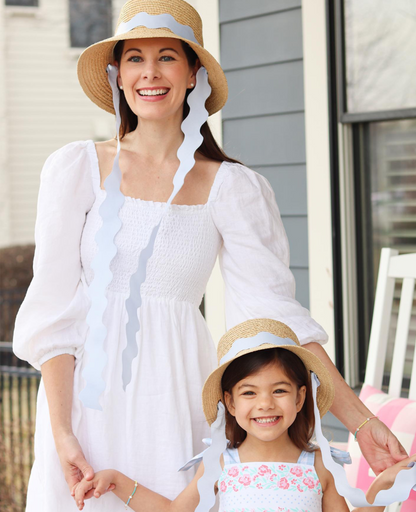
x=157, y=21
x=109, y=211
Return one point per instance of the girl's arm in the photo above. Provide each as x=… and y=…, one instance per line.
x=144, y=500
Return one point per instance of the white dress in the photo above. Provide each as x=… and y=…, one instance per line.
x=150, y=430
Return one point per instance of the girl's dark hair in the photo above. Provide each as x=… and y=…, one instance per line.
x=209, y=147
x=300, y=432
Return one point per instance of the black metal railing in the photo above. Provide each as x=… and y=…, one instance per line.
x=18, y=391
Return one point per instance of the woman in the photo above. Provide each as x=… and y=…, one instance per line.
x=75, y=322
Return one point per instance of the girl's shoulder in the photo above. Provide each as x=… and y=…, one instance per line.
x=325, y=477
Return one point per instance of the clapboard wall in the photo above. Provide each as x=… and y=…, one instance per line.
x=263, y=120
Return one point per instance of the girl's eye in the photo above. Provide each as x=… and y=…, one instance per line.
x=248, y=393
x=279, y=391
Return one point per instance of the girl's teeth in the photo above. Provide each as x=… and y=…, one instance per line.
x=266, y=420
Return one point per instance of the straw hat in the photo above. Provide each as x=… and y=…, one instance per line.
x=212, y=392
x=94, y=59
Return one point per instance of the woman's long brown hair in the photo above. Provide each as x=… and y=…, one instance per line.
x=209, y=147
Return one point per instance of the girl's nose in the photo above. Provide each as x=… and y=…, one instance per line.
x=265, y=402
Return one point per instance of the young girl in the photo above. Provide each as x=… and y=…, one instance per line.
x=269, y=465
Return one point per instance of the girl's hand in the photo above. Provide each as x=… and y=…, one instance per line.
x=380, y=446
x=102, y=482
x=386, y=479
x=73, y=462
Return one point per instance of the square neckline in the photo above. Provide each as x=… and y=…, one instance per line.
x=96, y=176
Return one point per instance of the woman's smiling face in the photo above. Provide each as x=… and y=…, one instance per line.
x=266, y=403
x=155, y=75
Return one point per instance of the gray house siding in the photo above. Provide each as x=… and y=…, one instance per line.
x=263, y=120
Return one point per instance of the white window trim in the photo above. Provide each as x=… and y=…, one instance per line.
x=321, y=290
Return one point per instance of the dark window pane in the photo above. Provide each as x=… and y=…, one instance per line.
x=26, y=3
x=90, y=21
x=387, y=216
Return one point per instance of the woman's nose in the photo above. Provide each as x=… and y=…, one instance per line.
x=151, y=71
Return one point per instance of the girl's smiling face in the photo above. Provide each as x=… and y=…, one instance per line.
x=265, y=404
x=155, y=75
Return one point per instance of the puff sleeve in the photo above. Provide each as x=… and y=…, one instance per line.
x=254, y=257
x=52, y=317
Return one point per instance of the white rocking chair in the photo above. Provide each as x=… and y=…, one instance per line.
x=392, y=267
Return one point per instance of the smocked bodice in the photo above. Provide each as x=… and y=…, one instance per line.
x=184, y=255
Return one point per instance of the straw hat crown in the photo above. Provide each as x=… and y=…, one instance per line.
x=183, y=13
x=93, y=61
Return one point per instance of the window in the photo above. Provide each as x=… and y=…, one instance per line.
x=374, y=97
x=90, y=21
x=25, y=3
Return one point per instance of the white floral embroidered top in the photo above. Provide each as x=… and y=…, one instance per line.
x=269, y=486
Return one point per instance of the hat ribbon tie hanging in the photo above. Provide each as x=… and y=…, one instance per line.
x=399, y=492
x=106, y=250
x=109, y=212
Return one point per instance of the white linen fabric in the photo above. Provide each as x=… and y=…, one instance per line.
x=150, y=430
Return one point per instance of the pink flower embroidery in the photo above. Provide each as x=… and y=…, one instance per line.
x=244, y=468
x=272, y=477
x=263, y=470
x=309, y=482
x=283, y=483
x=245, y=480
x=223, y=486
x=300, y=489
x=233, y=471
x=259, y=486
x=297, y=471
x=235, y=488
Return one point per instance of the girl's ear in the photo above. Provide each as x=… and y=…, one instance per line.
x=229, y=402
x=300, y=400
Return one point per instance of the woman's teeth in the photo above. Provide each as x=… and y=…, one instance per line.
x=153, y=92
x=266, y=420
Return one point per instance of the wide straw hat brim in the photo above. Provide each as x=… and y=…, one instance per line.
x=212, y=392
x=93, y=61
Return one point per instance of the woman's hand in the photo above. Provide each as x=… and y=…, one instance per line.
x=386, y=479
x=380, y=446
x=73, y=462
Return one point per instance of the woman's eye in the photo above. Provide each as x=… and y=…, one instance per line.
x=166, y=58
x=136, y=58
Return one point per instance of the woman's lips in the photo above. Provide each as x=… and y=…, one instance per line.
x=153, y=98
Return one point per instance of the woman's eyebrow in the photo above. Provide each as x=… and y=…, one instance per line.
x=160, y=51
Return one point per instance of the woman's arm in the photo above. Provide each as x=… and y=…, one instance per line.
x=378, y=445
x=58, y=379
x=144, y=500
